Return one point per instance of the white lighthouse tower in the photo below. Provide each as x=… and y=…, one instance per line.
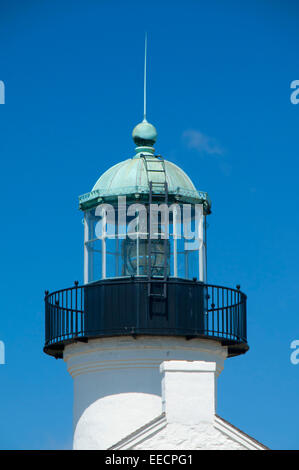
x=145, y=337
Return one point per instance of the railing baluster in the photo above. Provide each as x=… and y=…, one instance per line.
x=82, y=314
x=62, y=315
x=76, y=308
x=238, y=317
x=217, y=311
x=231, y=315
x=67, y=313
x=226, y=314
x=213, y=313
x=222, y=313
x=59, y=315
x=72, y=313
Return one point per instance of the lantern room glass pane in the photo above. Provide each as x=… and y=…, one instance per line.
x=112, y=251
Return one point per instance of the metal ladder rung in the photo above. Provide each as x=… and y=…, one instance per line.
x=156, y=183
x=158, y=314
x=158, y=296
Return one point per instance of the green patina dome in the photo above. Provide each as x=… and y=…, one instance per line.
x=131, y=178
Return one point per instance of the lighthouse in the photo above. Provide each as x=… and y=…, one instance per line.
x=146, y=335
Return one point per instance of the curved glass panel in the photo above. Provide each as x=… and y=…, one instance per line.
x=116, y=246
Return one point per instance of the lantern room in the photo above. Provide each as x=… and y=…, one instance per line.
x=144, y=217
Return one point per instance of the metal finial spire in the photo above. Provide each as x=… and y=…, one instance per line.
x=144, y=85
x=145, y=134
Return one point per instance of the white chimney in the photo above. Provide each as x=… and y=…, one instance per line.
x=189, y=391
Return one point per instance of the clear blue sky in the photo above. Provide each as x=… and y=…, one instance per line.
x=219, y=95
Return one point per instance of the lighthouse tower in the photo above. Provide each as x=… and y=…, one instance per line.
x=145, y=337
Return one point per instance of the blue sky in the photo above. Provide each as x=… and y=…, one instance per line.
x=219, y=77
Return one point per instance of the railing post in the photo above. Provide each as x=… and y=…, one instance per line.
x=57, y=318
x=82, y=309
x=238, y=311
x=245, y=316
x=76, y=307
x=213, y=306
x=47, y=323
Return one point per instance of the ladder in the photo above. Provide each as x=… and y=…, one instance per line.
x=158, y=187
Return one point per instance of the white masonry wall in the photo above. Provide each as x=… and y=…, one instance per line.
x=189, y=391
x=117, y=383
x=189, y=403
x=203, y=436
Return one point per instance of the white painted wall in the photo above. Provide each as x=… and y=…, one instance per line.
x=202, y=436
x=188, y=391
x=117, y=382
x=189, y=420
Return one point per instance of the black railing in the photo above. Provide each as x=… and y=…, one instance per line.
x=122, y=307
x=64, y=311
